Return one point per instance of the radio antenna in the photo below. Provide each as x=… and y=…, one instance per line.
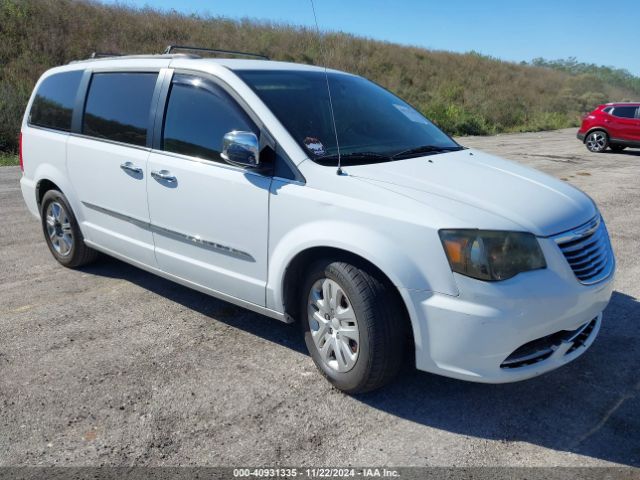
x=326, y=77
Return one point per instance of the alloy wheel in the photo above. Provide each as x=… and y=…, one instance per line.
x=596, y=142
x=333, y=325
x=59, y=229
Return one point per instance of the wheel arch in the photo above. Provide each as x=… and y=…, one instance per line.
x=296, y=267
x=593, y=129
x=48, y=176
x=42, y=187
x=401, y=266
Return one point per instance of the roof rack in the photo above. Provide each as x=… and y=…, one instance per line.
x=107, y=56
x=170, y=48
x=104, y=55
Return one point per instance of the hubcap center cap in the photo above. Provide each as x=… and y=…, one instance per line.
x=335, y=323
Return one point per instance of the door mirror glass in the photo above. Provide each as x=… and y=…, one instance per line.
x=241, y=149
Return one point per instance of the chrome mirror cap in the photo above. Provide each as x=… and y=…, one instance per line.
x=241, y=149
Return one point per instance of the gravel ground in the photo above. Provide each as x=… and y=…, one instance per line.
x=110, y=365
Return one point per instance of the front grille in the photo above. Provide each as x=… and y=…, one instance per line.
x=588, y=251
x=542, y=348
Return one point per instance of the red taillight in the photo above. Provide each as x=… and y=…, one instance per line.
x=20, y=154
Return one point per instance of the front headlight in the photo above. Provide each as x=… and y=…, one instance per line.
x=491, y=255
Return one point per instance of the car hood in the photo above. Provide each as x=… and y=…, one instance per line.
x=537, y=202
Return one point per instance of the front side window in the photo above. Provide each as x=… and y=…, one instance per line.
x=198, y=115
x=53, y=104
x=372, y=124
x=625, y=112
x=118, y=107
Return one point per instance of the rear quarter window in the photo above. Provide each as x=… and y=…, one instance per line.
x=624, y=112
x=118, y=107
x=53, y=104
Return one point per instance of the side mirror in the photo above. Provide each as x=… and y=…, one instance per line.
x=241, y=149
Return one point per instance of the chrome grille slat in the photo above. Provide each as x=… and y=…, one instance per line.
x=577, y=257
x=577, y=262
x=587, y=242
x=588, y=251
x=589, y=266
x=592, y=272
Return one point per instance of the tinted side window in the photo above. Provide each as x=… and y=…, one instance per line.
x=118, y=106
x=198, y=115
x=53, y=104
x=624, y=112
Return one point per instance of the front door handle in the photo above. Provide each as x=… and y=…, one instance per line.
x=130, y=167
x=164, y=175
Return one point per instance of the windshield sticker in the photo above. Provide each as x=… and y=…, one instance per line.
x=314, y=146
x=411, y=114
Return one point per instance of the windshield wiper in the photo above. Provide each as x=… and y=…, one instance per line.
x=355, y=157
x=424, y=149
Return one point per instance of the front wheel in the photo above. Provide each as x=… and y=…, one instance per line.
x=62, y=232
x=353, y=326
x=597, y=141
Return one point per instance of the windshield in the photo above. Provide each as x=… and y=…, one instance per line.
x=372, y=124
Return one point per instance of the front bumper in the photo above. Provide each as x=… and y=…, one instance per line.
x=580, y=136
x=485, y=334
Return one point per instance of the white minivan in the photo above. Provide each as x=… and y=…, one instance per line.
x=316, y=196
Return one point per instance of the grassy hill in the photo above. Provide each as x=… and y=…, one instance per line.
x=463, y=93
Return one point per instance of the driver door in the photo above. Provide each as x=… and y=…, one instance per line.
x=209, y=219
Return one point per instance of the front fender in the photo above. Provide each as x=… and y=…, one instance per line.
x=369, y=244
x=373, y=247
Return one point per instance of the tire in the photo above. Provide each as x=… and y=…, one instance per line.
x=62, y=233
x=597, y=141
x=370, y=335
x=617, y=148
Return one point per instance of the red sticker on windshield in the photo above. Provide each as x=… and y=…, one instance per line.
x=314, y=146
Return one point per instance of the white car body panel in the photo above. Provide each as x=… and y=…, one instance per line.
x=233, y=233
x=225, y=213
x=48, y=145
x=469, y=335
x=113, y=200
x=533, y=201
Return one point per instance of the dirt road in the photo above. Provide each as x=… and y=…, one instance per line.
x=111, y=365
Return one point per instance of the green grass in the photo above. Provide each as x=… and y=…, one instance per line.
x=8, y=159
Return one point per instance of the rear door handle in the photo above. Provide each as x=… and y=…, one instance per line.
x=164, y=175
x=130, y=167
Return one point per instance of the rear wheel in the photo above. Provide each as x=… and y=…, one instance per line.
x=597, y=141
x=353, y=326
x=617, y=148
x=62, y=233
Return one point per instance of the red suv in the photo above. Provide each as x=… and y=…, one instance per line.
x=614, y=125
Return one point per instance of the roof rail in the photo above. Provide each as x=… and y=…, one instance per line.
x=104, y=54
x=109, y=56
x=170, y=48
